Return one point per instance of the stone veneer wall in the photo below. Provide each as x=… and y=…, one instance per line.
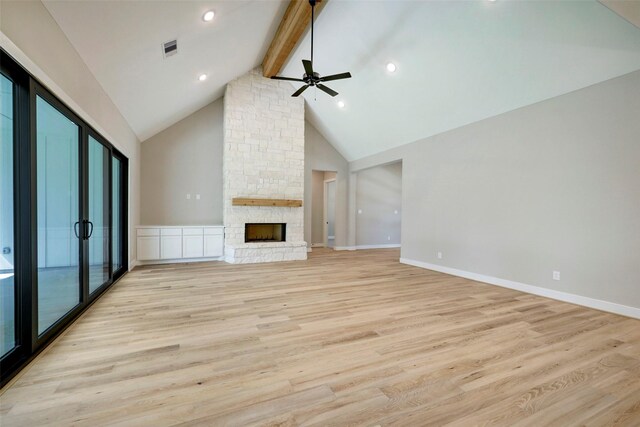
x=263, y=158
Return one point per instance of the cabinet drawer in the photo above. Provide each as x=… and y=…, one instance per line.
x=171, y=232
x=192, y=231
x=214, y=231
x=148, y=231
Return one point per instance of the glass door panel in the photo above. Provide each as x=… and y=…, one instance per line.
x=7, y=249
x=58, y=206
x=98, y=224
x=116, y=248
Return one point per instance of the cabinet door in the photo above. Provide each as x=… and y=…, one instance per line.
x=213, y=246
x=148, y=248
x=171, y=247
x=192, y=246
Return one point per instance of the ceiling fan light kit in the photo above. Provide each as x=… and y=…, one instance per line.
x=310, y=77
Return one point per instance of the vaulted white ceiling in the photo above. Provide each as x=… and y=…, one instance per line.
x=120, y=41
x=458, y=61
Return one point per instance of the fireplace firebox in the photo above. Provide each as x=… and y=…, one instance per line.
x=265, y=232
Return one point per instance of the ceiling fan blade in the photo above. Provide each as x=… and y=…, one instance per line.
x=336, y=77
x=299, y=91
x=327, y=90
x=286, y=78
x=308, y=67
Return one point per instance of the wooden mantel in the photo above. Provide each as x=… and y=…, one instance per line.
x=286, y=203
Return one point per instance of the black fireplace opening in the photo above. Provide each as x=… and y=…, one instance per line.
x=265, y=232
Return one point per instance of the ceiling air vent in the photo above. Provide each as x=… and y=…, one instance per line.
x=170, y=48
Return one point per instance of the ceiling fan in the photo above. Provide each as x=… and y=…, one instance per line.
x=310, y=77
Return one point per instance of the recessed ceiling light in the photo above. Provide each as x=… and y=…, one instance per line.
x=340, y=104
x=202, y=77
x=209, y=16
x=391, y=67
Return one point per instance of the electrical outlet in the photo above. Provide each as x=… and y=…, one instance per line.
x=197, y=197
x=439, y=255
x=396, y=212
x=388, y=237
x=359, y=211
x=556, y=275
x=188, y=196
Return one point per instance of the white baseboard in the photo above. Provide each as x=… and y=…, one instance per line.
x=133, y=264
x=309, y=249
x=390, y=245
x=359, y=247
x=610, y=307
x=317, y=245
x=178, y=260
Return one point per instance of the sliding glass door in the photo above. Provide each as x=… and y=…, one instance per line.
x=59, y=221
x=117, y=262
x=98, y=223
x=7, y=271
x=63, y=216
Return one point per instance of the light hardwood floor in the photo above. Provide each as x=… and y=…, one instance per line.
x=345, y=338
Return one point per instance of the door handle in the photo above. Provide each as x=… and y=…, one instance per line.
x=75, y=229
x=90, y=224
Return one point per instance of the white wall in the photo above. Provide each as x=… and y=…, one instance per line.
x=552, y=186
x=320, y=155
x=379, y=205
x=33, y=38
x=185, y=158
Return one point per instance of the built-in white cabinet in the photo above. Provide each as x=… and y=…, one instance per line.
x=193, y=243
x=148, y=248
x=213, y=246
x=179, y=243
x=213, y=242
x=170, y=243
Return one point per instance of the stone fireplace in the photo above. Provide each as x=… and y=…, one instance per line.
x=263, y=159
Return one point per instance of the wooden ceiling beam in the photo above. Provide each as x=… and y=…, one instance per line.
x=295, y=21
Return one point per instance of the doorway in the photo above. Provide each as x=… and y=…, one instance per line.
x=323, y=202
x=329, y=212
